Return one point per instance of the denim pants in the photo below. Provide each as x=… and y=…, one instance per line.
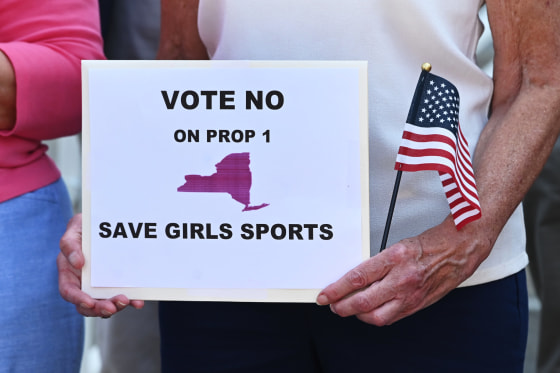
x=39, y=331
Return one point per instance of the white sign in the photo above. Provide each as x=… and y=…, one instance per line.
x=223, y=180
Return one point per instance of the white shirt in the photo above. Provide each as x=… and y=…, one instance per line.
x=395, y=37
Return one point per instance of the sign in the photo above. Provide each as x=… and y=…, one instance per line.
x=223, y=180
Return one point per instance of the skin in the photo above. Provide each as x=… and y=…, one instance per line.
x=179, y=38
x=70, y=262
x=7, y=94
x=418, y=271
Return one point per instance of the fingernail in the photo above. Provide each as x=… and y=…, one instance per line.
x=322, y=300
x=73, y=259
x=85, y=305
x=121, y=304
x=106, y=313
x=332, y=309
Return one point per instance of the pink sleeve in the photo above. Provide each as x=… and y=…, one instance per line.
x=45, y=42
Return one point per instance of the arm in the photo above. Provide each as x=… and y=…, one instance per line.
x=525, y=119
x=7, y=94
x=70, y=262
x=179, y=37
x=419, y=271
x=45, y=43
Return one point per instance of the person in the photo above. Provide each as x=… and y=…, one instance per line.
x=437, y=299
x=541, y=208
x=129, y=341
x=130, y=29
x=41, y=48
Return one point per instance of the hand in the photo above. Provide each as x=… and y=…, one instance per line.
x=70, y=262
x=408, y=276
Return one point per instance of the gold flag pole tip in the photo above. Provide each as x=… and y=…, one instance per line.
x=426, y=67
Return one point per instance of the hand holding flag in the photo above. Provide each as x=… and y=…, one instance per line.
x=433, y=140
x=418, y=271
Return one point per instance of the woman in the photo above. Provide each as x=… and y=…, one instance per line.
x=41, y=46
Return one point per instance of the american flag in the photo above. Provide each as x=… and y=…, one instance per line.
x=433, y=140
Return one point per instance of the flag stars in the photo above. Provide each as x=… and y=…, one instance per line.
x=439, y=106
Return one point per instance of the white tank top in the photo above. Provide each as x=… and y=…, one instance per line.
x=395, y=37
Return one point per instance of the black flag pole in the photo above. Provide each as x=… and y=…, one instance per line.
x=426, y=68
x=391, y=209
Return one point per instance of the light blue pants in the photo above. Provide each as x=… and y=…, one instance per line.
x=39, y=331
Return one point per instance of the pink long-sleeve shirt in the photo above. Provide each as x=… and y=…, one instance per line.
x=45, y=41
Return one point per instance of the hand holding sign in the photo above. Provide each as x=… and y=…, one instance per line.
x=70, y=262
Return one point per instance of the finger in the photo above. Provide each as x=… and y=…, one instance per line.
x=70, y=290
x=76, y=296
x=71, y=242
x=116, y=304
x=399, y=294
x=356, y=279
x=64, y=265
x=106, y=308
x=138, y=304
x=69, y=284
x=120, y=302
x=387, y=314
x=363, y=301
x=88, y=312
x=101, y=308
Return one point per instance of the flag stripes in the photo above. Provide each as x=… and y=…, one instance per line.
x=433, y=140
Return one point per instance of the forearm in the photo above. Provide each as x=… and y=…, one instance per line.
x=525, y=115
x=179, y=37
x=7, y=94
x=45, y=43
x=513, y=149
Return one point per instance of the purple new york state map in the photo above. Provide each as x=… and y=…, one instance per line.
x=233, y=176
